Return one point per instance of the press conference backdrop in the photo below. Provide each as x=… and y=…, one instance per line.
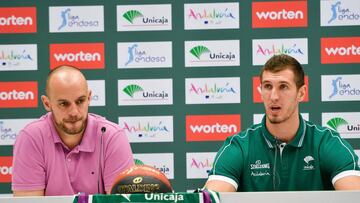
x=178, y=76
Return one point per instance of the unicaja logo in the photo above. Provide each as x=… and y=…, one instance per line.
x=309, y=163
x=334, y=123
x=339, y=13
x=132, y=89
x=131, y=15
x=199, y=50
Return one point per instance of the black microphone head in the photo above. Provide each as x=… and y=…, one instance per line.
x=103, y=129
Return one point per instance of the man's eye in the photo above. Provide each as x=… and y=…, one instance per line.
x=267, y=86
x=283, y=87
x=64, y=104
x=80, y=101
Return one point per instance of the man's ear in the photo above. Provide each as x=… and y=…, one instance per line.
x=46, y=102
x=89, y=96
x=302, y=93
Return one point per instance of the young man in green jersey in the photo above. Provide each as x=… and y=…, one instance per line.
x=284, y=152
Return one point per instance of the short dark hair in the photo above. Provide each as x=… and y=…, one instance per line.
x=281, y=62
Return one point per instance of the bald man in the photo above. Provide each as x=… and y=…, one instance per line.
x=68, y=150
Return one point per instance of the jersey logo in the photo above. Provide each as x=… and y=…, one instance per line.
x=309, y=163
x=260, y=169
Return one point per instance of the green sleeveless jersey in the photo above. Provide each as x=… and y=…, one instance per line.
x=254, y=160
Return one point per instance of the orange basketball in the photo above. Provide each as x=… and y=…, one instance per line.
x=141, y=179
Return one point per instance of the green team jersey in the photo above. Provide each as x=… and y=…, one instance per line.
x=254, y=160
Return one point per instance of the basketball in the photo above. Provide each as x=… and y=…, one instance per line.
x=141, y=179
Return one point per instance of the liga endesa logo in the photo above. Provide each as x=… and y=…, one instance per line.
x=211, y=127
x=257, y=90
x=340, y=50
x=279, y=14
x=18, y=94
x=5, y=169
x=80, y=55
x=18, y=20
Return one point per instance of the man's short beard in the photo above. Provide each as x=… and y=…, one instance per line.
x=68, y=131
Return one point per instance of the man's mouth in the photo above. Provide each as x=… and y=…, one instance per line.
x=275, y=108
x=72, y=120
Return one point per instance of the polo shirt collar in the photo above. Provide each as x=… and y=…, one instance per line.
x=88, y=141
x=296, y=142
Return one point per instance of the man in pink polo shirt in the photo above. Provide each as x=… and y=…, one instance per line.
x=68, y=150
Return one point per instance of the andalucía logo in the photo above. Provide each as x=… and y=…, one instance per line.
x=334, y=123
x=18, y=94
x=81, y=55
x=132, y=89
x=5, y=169
x=16, y=57
x=279, y=14
x=18, y=20
x=340, y=50
x=211, y=16
x=211, y=127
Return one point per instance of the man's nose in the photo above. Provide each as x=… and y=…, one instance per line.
x=274, y=94
x=73, y=111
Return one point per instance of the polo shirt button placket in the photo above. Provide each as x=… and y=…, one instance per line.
x=70, y=166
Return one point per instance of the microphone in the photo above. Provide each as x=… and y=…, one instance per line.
x=103, y=130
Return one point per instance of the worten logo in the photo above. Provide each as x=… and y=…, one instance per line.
x=257, y=90
x=211, y=127
x=279, y=14
x=340, y=50
x=81, y=55
x=18, y=94
x=5, y=169
x=17, y=19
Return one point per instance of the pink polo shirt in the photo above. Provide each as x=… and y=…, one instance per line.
x=43, y=162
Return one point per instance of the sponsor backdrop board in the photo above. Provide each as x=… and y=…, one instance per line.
x=179, y=76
